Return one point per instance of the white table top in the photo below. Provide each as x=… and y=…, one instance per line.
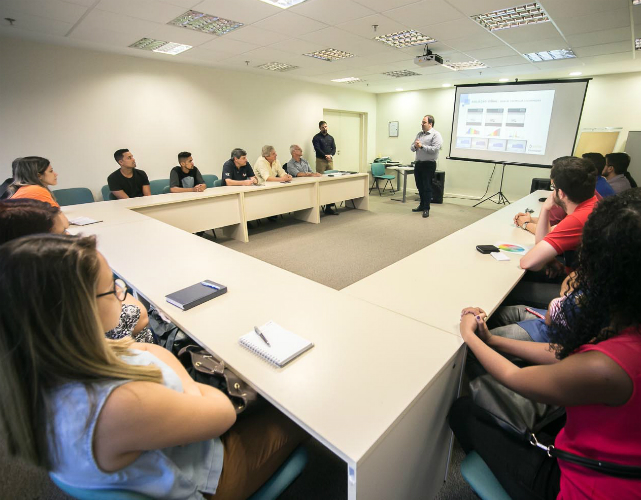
x=366, y=362
x=434, y=284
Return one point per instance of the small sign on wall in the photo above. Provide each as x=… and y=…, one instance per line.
x=393, y=129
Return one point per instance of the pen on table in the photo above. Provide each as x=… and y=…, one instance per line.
x=260, y=334
x=210, y=285
x=532, y=311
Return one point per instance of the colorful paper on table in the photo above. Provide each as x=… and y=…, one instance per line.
x=511, y=248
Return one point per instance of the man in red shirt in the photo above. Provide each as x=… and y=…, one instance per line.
x=573, y=182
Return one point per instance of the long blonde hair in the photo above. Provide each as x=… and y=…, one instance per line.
x=50, y=334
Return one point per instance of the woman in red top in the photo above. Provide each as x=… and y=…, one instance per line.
x=592, y=367
x=32, y=177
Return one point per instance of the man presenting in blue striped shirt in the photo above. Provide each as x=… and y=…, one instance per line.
x=427, y=144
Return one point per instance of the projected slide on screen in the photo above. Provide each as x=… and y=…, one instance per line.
x=513, y=122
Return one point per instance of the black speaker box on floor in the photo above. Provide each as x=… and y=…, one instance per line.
x=538, y=183
x=438, y=186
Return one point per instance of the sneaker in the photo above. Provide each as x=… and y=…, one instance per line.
x=418, y=209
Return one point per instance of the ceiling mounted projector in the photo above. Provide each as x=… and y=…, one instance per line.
x=428, y=59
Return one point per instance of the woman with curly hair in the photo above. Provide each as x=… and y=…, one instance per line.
x=591, y=366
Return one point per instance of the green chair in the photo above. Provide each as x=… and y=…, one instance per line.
x=210, y=179
x=218, y=183
x=378, y=172
x=107, y=195
x=271, y=490
x=158, y=185
x=165, y=190
x=73, y=196
x=330, y=171
x=481, y=479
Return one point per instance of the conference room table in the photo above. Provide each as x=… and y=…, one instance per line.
x=435, y=283
x=375, y=388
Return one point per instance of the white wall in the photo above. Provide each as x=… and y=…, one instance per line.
x=611, y=101
x=76, y=107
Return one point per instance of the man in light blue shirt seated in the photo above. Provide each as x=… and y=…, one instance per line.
x=298, y=166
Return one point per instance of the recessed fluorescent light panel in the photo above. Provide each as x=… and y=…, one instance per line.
x=462, y=66
x=576, y=73
x=283, y=4
x=504, y=79
x=329, y=54
x=401, y=74
x=276, y=66
x=636, y=2
x=161, y=46
x=349, y=79
x=206, y=23
x=637, y=44
x=405, y=39
x=531, y=13
x=550, y=55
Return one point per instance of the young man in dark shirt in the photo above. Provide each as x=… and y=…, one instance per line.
x=237, y=171
x=325, y=149
x=127, y=181
x=186, y=176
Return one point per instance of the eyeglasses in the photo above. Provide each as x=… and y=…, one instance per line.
x=120, y=290
x=552, y=186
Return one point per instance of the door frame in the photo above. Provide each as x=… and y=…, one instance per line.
x=362, y=146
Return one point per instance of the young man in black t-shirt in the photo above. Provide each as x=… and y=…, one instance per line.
x=128, y=181
x=186, y=177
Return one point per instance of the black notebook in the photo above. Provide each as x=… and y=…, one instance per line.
x=195, y=295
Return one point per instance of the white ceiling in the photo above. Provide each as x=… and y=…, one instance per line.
x=600, y=32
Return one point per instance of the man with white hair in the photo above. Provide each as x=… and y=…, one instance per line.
x=298, y=166
x=268, y=169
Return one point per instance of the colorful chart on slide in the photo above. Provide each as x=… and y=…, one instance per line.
x=511, y=247
x=513, y=122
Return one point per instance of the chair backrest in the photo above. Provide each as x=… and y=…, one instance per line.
x=158, y=185
x=4, y=188
x=378, y=169
x=106, y=193
x=210, y=179
x=73, y=196
x=330, y=171
x=92, y=494
x=218, y=183
x=165, y=190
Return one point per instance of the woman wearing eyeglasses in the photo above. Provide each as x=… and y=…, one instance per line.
x=103, y=414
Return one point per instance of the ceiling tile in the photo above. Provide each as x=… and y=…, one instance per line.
x=118, y=23
x=383, y=5
x=148, y=10
x=199, y=54
x=332, y=11
x=598, y=37
x=365, y=26
x=185, y=4
x=518, y=69
x=428, y=12
x=559, y=9
x=504, y=61
x=553, y=43
x=50, y=9
x=491, y=52
x=527, y=33
x=595, y=22
x=297, y=46
x=607, y=48
x=245, y=11
x=450, y=30
x=35, y=24
x=290, y=24
x=228, y=46
x=251, y=34
x=106, y=37
x=480, y=41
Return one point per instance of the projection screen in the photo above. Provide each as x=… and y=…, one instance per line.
x=521, y=123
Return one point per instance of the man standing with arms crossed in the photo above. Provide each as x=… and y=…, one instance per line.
x=325, y=148
x=426, y=145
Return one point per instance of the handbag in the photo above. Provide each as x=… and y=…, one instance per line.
x=206, y=369
x=168, y=334
x=522, y=418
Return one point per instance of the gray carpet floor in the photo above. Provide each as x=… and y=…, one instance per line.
x=340, y=251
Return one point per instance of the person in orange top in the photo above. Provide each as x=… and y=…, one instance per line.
x=32, y=177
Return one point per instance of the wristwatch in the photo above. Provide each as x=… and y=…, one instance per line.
x=524, y=226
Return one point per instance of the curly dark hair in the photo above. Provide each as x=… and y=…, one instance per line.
x=607, y=285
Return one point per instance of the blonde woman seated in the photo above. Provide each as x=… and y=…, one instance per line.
x=67, y=390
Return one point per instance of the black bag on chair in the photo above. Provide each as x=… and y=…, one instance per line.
x=206, y=369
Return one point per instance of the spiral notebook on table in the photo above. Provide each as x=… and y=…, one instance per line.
x=285, y=345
